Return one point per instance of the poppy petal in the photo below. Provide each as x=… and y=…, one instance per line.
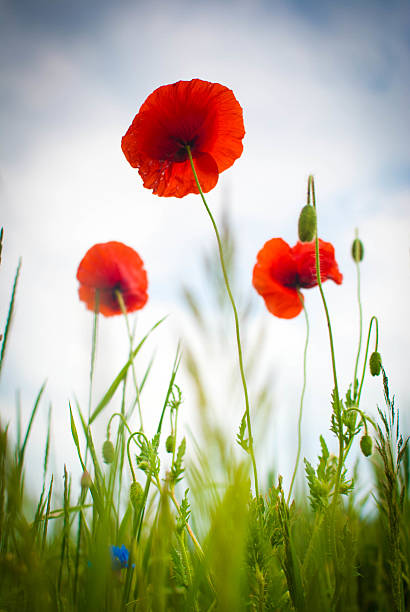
x=110, y=267
x=177, y=179
x=284, y=302
x=274, y=278
x=274, y=264
x=305, y=257
x=206, y=116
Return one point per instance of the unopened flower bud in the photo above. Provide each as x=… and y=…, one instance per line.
x=375, y=363
x=170, y=444
x=136, y=494
x=86, y=481
x=108, y=451
x=307, y=223
x=357, y=250
x=366, y=444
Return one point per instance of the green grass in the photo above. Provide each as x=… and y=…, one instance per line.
x=197, y=535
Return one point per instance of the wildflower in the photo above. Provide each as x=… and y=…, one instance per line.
x=280, y=271
x=109, y=268
x=204, y=116
x=119, y=557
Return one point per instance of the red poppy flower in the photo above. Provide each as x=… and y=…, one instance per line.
x=280, y=271
x=108, y=268
x=206, y=116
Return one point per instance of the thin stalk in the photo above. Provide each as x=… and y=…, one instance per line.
x=92, y=362
x=235, y=312
x=131, y=340
x=149, y=475
x=188, y=528
x=332, y=350
x=301, y=401
x=93, y=353
x=367, y=351
x=359, y=301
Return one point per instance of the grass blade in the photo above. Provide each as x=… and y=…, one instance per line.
x=9, y=316
x=120, y=377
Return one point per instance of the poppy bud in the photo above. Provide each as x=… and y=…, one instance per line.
x=108, y=451
x=357, y=250
x=86, y=481
x=136, y=494
x=366, y=444
x=170, y=444
x=307, y=223
x=375, y=363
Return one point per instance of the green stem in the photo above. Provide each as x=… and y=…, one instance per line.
x=92, y=362
x=355, y=381
x=354, y=409
x=235, y=312
x=117, y=414
x=188, y=528
x=332, y=350
x=148, y=481
x=131, y=340
x=301, y=401
x=367, y=351
x=136, y=433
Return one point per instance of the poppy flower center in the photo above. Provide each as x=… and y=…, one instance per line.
x=181, y=153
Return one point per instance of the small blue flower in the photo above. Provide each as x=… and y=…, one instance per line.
x=119, y=557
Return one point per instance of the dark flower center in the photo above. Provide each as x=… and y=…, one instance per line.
x=181, y=152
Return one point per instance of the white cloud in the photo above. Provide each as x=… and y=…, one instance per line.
x=328, y=100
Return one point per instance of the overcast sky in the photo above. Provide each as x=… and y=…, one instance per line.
x=325, y=90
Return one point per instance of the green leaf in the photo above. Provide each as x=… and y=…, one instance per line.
x=121, y=375
x=75, y=437
x=9, y=315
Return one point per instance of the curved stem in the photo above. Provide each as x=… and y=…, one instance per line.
x=117, y=414
x=132, y=436
x=332, y=350
x=355, y=381
x=363, y=417
x=301, y=403
x=367, y=351
x=235, y=312
x=131, y=340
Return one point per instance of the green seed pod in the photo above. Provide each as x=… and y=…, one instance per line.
x=136, y=494
x=375, y=363
x=108, y=451
x=307, y=223
x=366, y=444
x=357, y=250
x=86, y=481
x=170, y=444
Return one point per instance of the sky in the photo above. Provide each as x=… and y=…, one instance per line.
x=325, y=90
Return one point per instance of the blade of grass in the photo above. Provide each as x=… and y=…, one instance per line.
x=33, y=413
x=119, y=378
x=9, y=316
x=47, y=514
